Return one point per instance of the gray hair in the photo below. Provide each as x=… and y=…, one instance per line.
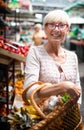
x=57, y=16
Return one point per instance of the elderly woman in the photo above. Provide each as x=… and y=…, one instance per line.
x=51, y=62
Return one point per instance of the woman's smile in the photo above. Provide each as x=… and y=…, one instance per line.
x=57, y=36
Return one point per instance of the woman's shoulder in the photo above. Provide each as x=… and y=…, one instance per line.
x=70, y=53
x=33, y=47
x=37, y=49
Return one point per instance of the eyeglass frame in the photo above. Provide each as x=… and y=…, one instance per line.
x=54, y=25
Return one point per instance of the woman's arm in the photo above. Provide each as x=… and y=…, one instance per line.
x=60, y=88
x=32, y=67
x=78, y=80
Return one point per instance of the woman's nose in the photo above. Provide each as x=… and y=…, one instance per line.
x=56, y=28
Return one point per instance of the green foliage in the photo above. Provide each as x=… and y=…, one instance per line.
x=65, y=97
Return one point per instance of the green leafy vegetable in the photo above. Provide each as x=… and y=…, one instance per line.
x=65, y=97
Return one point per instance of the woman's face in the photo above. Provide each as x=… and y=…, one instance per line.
x=56, y=32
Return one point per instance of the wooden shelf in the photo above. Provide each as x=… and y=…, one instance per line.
x=12, y=55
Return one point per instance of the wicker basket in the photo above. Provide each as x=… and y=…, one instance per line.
x=63, y=117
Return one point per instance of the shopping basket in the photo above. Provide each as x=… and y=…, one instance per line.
x=64, y=117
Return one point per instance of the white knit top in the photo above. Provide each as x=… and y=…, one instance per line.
x=40, y=66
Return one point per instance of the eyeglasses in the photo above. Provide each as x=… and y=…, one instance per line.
x=60, y=26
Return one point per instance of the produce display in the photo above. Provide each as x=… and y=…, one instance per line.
x=27, y=116
x=14, y=47
x=19, y=85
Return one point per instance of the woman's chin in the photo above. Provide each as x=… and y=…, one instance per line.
x=57, y=40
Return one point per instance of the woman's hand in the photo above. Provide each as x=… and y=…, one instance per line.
x=71, y=88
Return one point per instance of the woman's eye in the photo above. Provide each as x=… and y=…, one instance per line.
x=52, y=25
x=62, y=25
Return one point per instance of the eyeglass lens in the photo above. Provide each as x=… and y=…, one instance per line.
x=59, y=26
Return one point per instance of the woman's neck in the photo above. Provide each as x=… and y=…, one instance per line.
x=56, y=52
x=54, y=48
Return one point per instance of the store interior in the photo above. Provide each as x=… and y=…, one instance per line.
x=17, y=21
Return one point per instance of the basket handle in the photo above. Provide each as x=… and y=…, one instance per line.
x=24, y=92
x=33, y=101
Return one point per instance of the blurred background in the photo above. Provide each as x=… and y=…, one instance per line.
x=17, y=21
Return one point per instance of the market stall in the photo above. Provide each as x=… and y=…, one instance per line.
x=76, y=35
x=7, y=67
x=12, y=57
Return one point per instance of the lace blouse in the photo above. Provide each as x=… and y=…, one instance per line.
x=40, y=66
